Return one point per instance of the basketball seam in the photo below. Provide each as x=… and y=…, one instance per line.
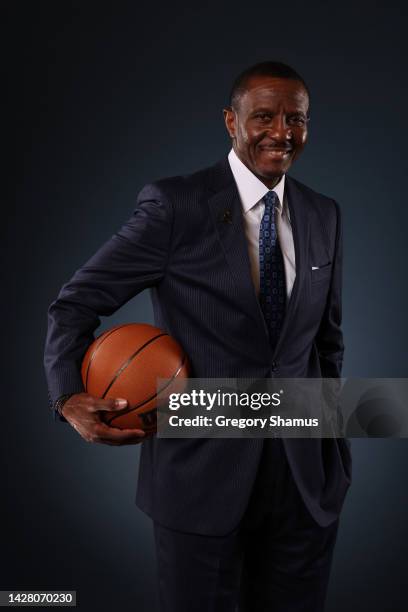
x=91, y=358
x=130, y=359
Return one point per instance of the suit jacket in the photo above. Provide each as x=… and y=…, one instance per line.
x=178, y=244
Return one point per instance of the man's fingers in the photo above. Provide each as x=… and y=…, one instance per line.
x=83, y=416
x=93, y=430
x=104, y=433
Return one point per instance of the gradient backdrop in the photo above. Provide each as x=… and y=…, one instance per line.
x=111, y=98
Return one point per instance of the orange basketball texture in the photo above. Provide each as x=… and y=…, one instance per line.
x=126, y=361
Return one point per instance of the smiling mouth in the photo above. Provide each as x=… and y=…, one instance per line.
x=276, y=152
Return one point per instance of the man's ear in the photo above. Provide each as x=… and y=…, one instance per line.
x=229, y=118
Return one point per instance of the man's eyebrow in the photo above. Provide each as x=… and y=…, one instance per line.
x=270, y=111
x=262, y=110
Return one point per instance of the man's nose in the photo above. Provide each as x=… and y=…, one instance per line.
x=279, y=130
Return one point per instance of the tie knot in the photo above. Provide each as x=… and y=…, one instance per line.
x=271, y=199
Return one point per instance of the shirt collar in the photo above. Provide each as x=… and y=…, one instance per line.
x=251, y=190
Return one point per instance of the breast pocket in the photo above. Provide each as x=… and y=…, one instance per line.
x=321, y=273
x=319, y=285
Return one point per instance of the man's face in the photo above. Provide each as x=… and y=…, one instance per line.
x=269, y=127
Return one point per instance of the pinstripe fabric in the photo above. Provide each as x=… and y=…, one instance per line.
x=185, y=241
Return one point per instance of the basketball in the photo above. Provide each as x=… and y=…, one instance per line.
x=126, y=362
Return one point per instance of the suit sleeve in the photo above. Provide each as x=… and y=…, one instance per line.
x=133, y=259
x=329, y=338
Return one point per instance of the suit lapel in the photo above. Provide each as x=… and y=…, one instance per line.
x=226, y=212
x=300, y=221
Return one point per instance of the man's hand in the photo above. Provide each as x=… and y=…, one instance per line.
x=82, y=411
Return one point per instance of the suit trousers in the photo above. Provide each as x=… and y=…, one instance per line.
x=278, y=558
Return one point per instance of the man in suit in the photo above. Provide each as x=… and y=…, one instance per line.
x=244, y=264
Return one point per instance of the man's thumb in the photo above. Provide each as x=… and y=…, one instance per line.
x=114, y=404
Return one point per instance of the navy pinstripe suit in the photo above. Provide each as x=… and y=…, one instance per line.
x=178, y=244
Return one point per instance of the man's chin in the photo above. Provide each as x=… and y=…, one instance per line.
x=271, y=172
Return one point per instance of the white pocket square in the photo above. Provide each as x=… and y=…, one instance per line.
x=315, y=268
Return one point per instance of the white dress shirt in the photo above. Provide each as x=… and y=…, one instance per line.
x=251, y=191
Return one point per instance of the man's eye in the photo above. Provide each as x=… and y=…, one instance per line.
x=262, y=116
x=297, y=120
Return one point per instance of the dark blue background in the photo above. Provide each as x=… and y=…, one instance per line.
x=109, y=99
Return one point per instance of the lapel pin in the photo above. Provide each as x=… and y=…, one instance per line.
x=227, y=217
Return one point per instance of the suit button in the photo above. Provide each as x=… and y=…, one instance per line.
x=274, y=366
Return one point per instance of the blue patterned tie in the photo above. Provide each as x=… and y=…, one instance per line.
x=272, y=286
